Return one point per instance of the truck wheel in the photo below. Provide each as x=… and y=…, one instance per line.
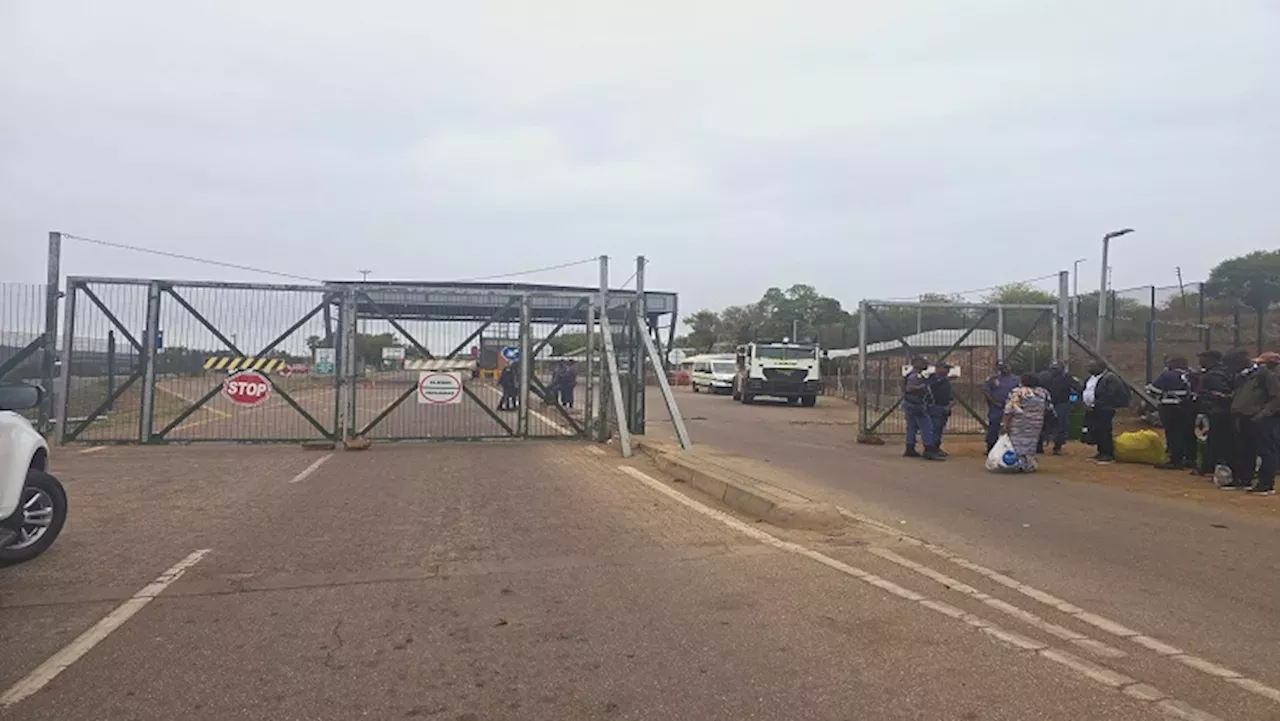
x=793, y=401
x=44, y=511
x=809, y=401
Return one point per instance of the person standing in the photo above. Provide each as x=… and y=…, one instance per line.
x=1105, y=393
x=996, y=392
x=568, y=380
x=1256, y=406
x=915, y=405
x=1213, y=400
x=1060, y=386
x=1172, y=391
x=1023, y=419
x=507, y=382
x=941, y=399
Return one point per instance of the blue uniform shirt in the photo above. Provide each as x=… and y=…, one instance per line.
x=1000, y=387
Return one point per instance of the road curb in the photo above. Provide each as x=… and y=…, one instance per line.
x=755, y=498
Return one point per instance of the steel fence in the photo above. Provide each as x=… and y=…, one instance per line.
x=156, y=361
x=22, y=337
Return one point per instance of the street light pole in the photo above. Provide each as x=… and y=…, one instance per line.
x=1102, y=285
x=1075, y=295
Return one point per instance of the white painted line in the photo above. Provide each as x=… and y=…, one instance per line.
x=94, y=449
x=1031, y=619
x=1106, y=624
x=62, y=660
x=1095, y=672
x=311, y=468
x=563, y=431
x=1088, y=669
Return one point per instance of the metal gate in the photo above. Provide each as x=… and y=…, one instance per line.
x=155, y=361
x=151, y=361
x=970, y=337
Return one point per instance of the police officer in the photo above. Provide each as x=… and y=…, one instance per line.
x=1213, y=400
x=996, y=391
x=940, y=400
x=916, y=400
x=1172, y=391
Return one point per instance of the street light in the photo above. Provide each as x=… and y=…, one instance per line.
x=1102, y=285
x=364, y=275
x=1075, y=294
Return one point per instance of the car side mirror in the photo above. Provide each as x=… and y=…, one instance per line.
x=19, y=396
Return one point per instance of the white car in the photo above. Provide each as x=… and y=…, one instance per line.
x=714, y=375
x=33, y=504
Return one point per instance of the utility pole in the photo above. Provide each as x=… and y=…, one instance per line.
x=364, y=275
x=1102, y=286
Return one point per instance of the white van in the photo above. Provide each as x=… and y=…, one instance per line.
x=712, y=373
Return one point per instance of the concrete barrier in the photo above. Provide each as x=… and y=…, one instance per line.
x=746, y=495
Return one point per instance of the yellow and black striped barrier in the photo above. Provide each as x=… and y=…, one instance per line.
x=241, y=363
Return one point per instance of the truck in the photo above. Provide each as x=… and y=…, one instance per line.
x=779, y=369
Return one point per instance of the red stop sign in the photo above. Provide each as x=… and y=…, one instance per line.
x=248, y=388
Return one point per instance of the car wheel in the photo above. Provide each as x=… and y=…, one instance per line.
x=44, y=511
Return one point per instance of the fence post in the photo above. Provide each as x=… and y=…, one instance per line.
x=605, y=327
x=345, y=369
x=1000, y=335
x=1062, y=339
x=636, y=352
x=63, y=394
x=1208, y=335
x=146, y=421
x=111, y=368
x=862, y=368
x=1151, y=336
x=526, y=363
x=53, y=280
x=589, y=418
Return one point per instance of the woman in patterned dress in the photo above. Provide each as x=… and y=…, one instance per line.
x=1024, y=414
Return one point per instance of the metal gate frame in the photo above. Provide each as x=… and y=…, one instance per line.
x=868, y=309
x=146, y=371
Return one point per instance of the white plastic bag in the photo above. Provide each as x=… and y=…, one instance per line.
x=1002, y=457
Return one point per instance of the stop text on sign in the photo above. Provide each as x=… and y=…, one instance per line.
x=246, y=388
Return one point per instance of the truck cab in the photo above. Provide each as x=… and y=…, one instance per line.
x=778, y=369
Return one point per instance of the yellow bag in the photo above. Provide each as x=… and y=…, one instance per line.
x=1140, y=447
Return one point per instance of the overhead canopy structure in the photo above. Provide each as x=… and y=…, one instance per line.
x=479, y=301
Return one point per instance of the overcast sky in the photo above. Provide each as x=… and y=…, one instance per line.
x=870, y=148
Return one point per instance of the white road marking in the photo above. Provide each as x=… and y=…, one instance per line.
x=62, y=660
x=1066, y=634
x=1118, y=629
x=1090, y=670
x=94, y=449
x=563, y=431
x=311, y=468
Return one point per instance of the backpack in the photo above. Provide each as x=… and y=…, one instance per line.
x=1119, y=394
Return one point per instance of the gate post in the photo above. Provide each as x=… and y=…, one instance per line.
x=526, y=362
x=636, y=351
x=53, y=280
x=589, y=418
x=150, y=339
x=63, y=396
x=602, y=433
x=1062, y=339
x=1000, y=335
x=862, y=367
x=345, y=361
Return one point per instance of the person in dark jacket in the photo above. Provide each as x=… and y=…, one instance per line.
x=940, y=400
x=1060, y=386
x=1172, y=392
x=568, y=379
x=996, y=391
x=1213, y=399
x=915, y=405
x=508, y=381
x=1105, y=393
x=1256, y=406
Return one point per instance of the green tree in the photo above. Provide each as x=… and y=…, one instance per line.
x=369, y=346
x=563, y=344
x=1252, y=279
x=704, y=330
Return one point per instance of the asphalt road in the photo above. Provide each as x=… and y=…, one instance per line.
x=502, y=581
x=1202, y=577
